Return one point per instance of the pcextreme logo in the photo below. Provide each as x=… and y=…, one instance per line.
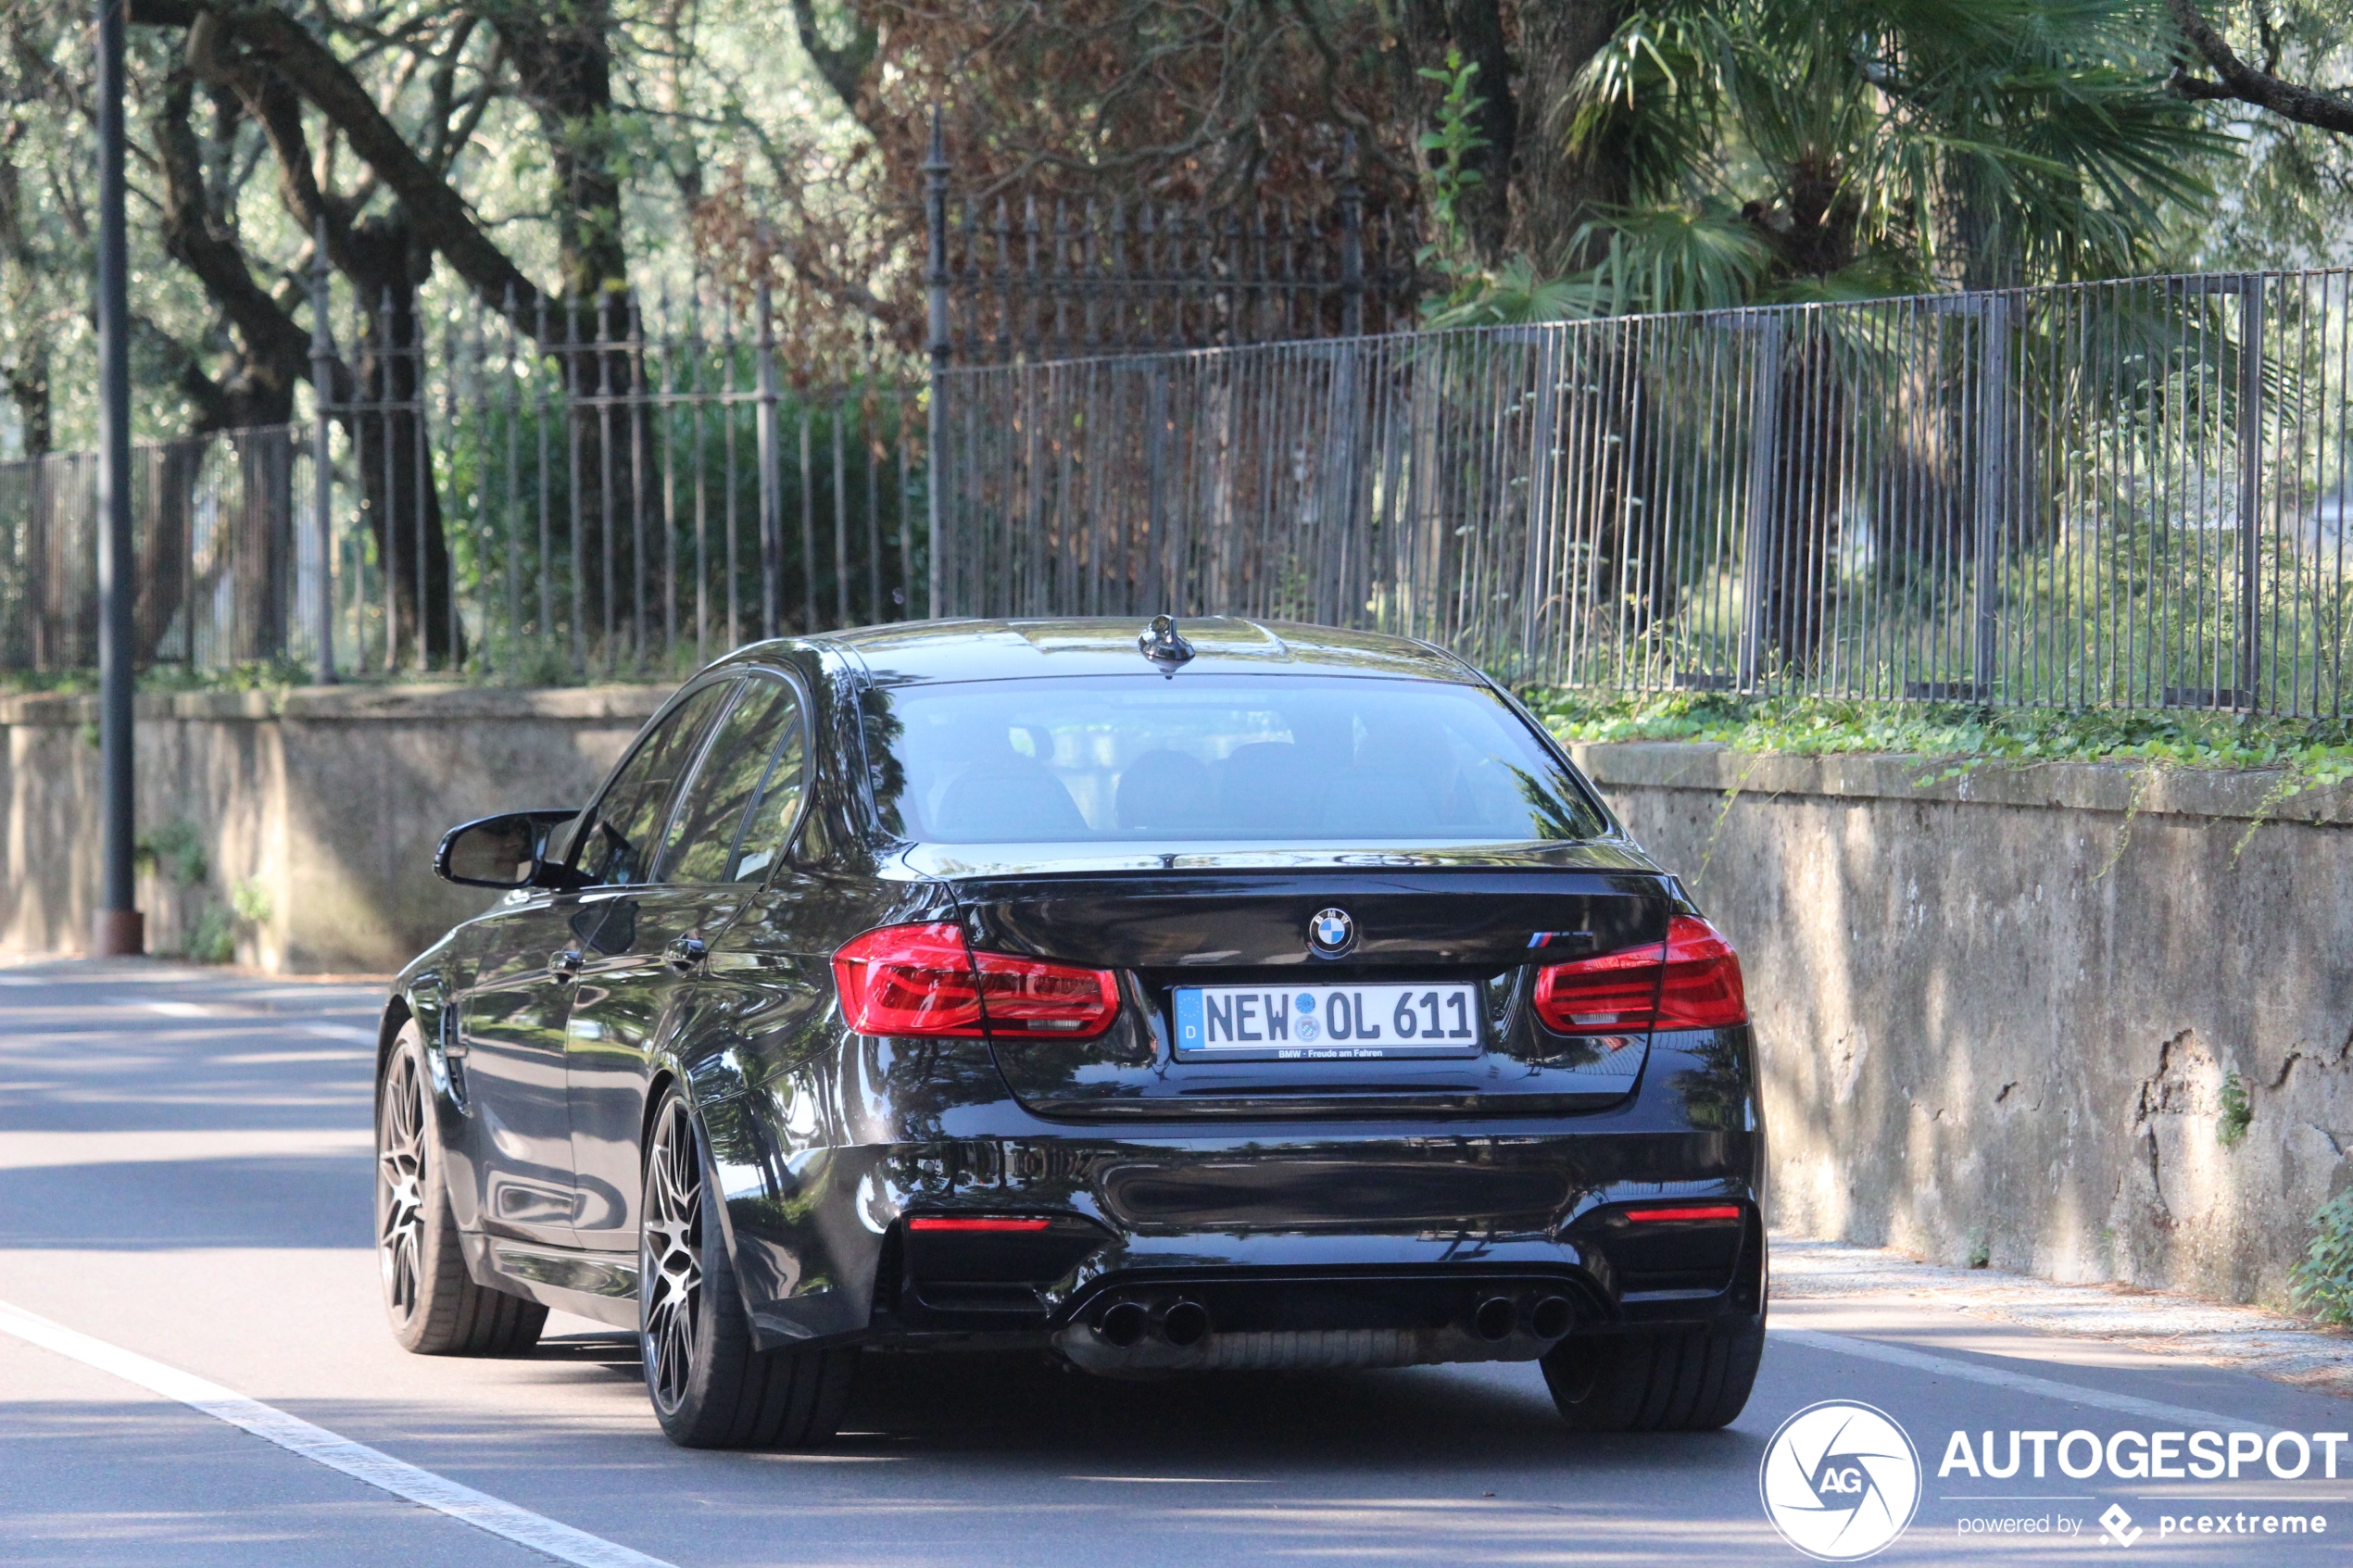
x=1840, y=1481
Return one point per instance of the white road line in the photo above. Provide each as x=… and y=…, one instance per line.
x=178, y=1010
x=269, y=1058
x=341, y=1031
x=1945, y=1366
x=317, y=1444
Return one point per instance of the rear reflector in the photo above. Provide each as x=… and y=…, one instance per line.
x=1690, y=980
x=1708, y=1211
x=976, y=1222
x=923, y=981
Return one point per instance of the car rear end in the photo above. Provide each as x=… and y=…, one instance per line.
x=1295, y=1075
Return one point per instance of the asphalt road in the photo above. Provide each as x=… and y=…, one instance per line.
x=184, y=1175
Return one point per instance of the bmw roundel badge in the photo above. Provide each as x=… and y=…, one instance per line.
x=1331, y=933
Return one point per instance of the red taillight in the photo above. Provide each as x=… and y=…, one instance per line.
x=1023, y=997
x=924, y=981
x=975, y=1222
x=1691, y=981
x=1608, y=995
x=1702, y=987
x=1707, y=1211
x=909, y=980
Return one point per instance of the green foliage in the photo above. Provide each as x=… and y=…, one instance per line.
x=1789, y=151
x=1456, y=137
x=249, y=901
x=2323, y=1283
x=1661, y=259
x=2237, y=1112
x=259, y=675
x=2304, y=753
x=212, y=938
x=174, y=849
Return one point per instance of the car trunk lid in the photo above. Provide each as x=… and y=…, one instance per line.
x=1430, y=940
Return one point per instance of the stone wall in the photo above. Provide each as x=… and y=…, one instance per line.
x=323, y=806
x=1997, y=1013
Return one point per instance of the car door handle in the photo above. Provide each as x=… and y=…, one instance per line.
x=564, y=964
x=685, y=952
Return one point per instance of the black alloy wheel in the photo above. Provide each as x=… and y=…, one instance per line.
x=1665, y=1380
x=436, y=1307
x=710, y=1389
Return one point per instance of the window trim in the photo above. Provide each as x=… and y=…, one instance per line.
x=663, y=715
x=744, y=678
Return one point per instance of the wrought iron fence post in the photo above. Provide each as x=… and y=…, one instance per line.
x=936, y=411
x=1756, y=549
x=1351, y=244
x=323, y=471
x=1993, y=488
x=2250, y=508
x=764, y=427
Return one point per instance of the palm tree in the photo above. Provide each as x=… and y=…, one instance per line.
x=1819, y=149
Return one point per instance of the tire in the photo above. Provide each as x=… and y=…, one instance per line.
x=709, y=1387
x=436, y=1306
x=1680, y=1380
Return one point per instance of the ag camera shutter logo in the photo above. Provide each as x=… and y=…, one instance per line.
x=1840, y=1480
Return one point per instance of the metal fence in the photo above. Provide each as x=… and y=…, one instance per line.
x=224, y=551
x=1035, y=279
x=561, y=496
x=2131, y=492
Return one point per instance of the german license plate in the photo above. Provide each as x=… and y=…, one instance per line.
x=1319, y=1023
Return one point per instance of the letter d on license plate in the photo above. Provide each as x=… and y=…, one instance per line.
x=1339, y=1023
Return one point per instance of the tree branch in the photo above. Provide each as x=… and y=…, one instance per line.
x=2244, y=82
x=843, y=69
x=442, y=220
x=276, y=347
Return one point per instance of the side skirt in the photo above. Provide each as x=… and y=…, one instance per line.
x=600, y=1285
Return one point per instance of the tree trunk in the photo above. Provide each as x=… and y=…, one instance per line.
x=391, y=448
x=164, y=502
x=564, y=70
x=1475, y=27
x=1557, y=188
x=1806, y=498
x=28, y=390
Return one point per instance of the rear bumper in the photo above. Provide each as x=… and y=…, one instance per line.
x=1206, y=1299
x=1305, y=1244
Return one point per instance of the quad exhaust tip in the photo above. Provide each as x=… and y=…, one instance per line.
x=1554, y=1316
x=1181, y=1324
x=1122, y=1323
x=1185, y=1324
x=1494, y=1318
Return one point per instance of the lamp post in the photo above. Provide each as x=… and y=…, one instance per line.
x=118, y=927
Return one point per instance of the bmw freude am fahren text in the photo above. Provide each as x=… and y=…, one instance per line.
x=1231, y=995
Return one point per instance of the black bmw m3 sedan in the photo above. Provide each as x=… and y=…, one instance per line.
x=1224, y=995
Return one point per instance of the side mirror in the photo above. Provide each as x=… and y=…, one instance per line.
x=504, y=851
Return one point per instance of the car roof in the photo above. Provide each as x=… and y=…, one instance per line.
x=925, y=651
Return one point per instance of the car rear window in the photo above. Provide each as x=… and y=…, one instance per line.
x=1236, y=758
